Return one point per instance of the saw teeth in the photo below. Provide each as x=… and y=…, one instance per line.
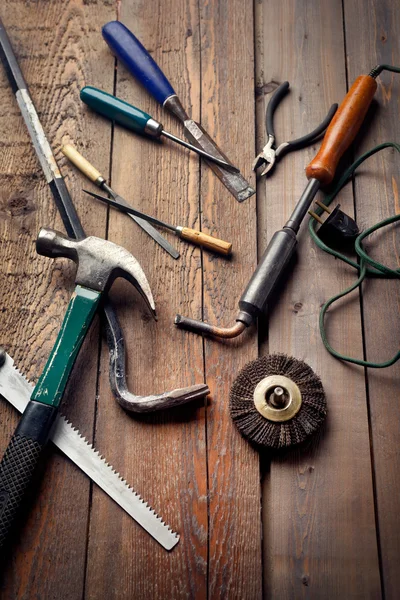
x=19, y=372
x=157, y=535
x=134, y=494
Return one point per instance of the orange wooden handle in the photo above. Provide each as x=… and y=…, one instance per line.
x=205, y=240
x=342, y=129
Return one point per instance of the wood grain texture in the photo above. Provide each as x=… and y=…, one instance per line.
x=318, y=505
x=163, y=455
x=377, y=197
x=227, y=113
x=55, y=46
x=329, y=511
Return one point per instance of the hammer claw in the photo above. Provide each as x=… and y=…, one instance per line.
x=99, y=262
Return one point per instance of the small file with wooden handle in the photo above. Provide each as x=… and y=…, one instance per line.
x=190, y=235
x=185, y=233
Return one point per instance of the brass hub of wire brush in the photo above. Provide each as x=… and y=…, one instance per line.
x=277, y=398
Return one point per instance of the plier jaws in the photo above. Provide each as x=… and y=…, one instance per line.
x=269, y=154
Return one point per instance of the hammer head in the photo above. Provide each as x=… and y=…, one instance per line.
x=99, y=262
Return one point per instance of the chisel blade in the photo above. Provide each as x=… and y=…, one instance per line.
x=234, y=182
x=17, y=390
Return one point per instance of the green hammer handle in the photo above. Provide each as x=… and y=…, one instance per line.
x=80, y=312
x=25, y=450
x=115, y=109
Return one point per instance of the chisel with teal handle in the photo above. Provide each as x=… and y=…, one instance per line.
x=100, y=262
x=137, y=120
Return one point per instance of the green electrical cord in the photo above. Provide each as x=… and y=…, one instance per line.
x=366, y=266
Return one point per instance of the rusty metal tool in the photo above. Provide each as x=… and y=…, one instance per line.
x=128, y=49
x=321, y=170
x=185, y=233
x=99, y=262
x=269, y=155
x=137, y=120
x=17, y=390
x=73, y=226
x=191, y=235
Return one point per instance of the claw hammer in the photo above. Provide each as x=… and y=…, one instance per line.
x=99, y=262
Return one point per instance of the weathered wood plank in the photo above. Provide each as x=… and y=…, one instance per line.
x=319, y=529
x=227, y=113
x=56, y=45
x=376, y=193
x=162, y=455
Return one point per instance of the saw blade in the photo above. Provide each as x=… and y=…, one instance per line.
x=17, y=390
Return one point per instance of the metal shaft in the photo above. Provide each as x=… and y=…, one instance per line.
x=141, y=220
x=303, y=205
x=234, y=182
x=42, y=147
x=121, y=204
x=267, y=275
x=203, y=153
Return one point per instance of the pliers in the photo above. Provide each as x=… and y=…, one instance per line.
x=269, y=154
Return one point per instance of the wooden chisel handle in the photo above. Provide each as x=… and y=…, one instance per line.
x=82, y=164
x=342, y=129
x=206, y=241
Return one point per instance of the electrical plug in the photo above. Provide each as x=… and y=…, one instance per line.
x=338, y=229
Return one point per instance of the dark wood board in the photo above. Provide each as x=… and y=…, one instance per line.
x=376, y=193
x=56, y=46
x=163, y=455
x=318, y=504
x=323, y=523
x=227, y=69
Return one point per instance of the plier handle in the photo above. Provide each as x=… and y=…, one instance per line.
x=269, y=154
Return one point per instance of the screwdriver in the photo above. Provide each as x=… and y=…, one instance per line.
x=191, y=235
x=138, y=121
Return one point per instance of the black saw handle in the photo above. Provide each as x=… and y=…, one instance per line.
x=20, y=460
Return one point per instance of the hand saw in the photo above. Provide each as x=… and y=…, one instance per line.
x=17, y=390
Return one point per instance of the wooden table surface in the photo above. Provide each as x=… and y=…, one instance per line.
x=322, y=522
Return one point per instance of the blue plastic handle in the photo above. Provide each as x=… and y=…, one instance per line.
x=137, y=60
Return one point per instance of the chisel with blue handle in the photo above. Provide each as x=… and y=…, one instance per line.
x=137, y=120
x=138, y=61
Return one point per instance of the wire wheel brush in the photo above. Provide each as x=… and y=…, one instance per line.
x=277, y=401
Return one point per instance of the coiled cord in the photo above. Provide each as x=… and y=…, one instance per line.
x=366, y=266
